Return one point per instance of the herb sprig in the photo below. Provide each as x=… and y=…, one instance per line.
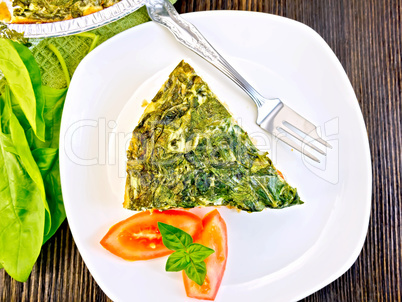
x=188, y=256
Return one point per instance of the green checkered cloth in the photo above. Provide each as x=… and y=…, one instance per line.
x=75, y=48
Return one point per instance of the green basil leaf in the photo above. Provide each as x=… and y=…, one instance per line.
x=23, y=76
x=177, y=261
x=196, y=271
x=199, y=252
x=174, y=238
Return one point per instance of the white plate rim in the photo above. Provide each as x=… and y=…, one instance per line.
x=367, y=181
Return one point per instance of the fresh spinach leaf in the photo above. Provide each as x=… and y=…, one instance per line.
x=52, y=115
x=23, y=77
x=48, y=162
x=11, y=126
x=55, y=199
x=45, y=154
x=21, y=200
x=45, y=159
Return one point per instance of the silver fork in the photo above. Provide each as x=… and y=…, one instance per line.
x=273, y=115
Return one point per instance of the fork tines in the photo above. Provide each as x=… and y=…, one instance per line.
x=294, y=130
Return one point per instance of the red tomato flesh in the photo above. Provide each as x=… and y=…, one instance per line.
x=138, y=237
x=214, y=236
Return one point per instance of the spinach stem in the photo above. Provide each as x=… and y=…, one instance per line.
x=86, y=34
x=62, y=62
x=94, y=37
x=94, y=43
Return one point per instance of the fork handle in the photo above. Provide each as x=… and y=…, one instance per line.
x=164, y=13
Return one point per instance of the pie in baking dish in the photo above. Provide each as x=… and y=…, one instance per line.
x=43, y=11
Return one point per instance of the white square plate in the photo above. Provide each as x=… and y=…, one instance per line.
x=274, y=255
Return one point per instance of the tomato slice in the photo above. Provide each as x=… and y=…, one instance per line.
x=138, y=237
x=213, y=235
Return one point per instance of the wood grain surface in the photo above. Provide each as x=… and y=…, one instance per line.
x=366, y=37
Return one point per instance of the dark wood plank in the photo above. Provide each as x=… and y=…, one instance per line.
x=366, y=37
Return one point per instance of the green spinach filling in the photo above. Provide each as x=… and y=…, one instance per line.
x=54, y=10
x=187, y=151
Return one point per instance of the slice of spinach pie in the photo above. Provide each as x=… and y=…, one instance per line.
x=187, y=151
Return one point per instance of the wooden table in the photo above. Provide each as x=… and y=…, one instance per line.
x=366, y=37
